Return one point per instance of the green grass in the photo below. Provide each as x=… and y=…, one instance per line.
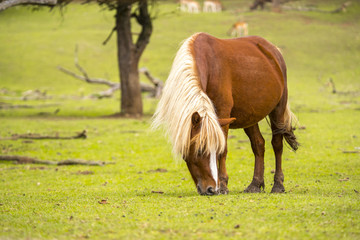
x=59, y=202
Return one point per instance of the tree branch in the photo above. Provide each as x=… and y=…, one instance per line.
x=10, y=3
x=157, y=82
x=145, y=21
x=87, y=79
x=110, y=35
x=155, y=90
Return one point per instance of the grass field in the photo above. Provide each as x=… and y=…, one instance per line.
x=148, y=195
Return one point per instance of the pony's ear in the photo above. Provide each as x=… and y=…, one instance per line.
x=226, y=121
x=195, y=120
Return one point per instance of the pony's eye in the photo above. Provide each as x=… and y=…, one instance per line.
x=200, y=153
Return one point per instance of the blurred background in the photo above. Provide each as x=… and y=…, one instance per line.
x=320, y=41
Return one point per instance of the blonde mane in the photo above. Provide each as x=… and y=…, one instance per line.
x=183, y=96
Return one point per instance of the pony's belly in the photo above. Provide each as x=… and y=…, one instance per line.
x=246, y=119
x=246, y=123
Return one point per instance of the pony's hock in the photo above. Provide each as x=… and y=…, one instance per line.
x=217, y=84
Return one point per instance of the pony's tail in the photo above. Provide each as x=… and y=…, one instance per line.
x=290, y=121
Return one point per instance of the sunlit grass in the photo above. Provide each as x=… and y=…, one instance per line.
x=62, y=202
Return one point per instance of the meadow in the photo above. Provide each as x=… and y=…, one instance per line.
x=142, y=192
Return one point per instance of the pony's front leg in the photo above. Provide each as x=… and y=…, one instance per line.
x=223, y=176
x=258, y=147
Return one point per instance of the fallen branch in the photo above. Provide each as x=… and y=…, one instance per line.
x=302, y=9
x=34, y=95
x=342, y=8
x=154, y=89
x=157, y=82
x=158, y=192
x=355, y=151
x=113, y=86
x=81, y=135
x=29, y=160
x=86, y=78
x=332, y=84
x=14, y=106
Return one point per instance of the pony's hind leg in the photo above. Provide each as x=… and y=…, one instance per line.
x=278, y=128
x=258, y=147
x=277, y=143
x=281, y=118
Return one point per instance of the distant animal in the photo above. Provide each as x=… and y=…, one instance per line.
x=239, y=29
x=212, y=6
x=216, y=84
x=190, y=6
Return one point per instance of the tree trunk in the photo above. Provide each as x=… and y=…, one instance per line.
x=131, y=103
x=129, y=55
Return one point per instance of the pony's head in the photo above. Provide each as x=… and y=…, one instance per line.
x=202, y=163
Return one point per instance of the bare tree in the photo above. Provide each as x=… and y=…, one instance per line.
x=128, y=50
x=129, y=54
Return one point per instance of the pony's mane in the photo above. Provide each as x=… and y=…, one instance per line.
x=182, y=96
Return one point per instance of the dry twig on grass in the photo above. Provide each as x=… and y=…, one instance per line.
x=16, y=106
x=30, y=160
x=355, y=151
x=35, y=136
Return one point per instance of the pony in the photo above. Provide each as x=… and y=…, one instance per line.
x=216, y=84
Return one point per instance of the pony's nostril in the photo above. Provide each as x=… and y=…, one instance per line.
x=210, y=191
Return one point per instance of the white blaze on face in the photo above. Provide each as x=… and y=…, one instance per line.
x=213, y=168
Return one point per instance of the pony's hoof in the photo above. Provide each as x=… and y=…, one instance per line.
x=278, y=188
x=254, y=188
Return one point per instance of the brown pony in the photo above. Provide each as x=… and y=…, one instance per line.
x=217, y=84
